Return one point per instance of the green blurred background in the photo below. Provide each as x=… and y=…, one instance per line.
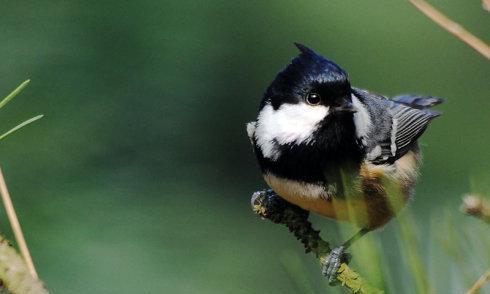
x=138, y=179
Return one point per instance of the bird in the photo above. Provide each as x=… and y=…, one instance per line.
x=336, y=150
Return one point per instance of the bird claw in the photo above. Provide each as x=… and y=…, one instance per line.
x=331, y=267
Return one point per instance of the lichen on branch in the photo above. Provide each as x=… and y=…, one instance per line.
x=14, y=274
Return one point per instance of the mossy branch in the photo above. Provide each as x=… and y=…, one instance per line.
x=14, y=274
x=270, y=206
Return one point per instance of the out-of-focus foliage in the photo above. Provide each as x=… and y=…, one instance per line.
x=138, y=178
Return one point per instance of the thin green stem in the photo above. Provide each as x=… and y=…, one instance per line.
x=21, y=125
x=14, y=93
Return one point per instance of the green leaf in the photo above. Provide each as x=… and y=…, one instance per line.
x=14, y=93
x=21, y=125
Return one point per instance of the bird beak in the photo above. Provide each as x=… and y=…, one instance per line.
x=346, y=106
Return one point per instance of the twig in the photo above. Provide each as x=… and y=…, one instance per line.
x=270, y=206
x=485, y=278
x=452, y=27
x=486, y=4
x=14, y=222
x=477, y=207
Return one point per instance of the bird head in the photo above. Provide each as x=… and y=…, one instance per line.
x=309, y=93
x=313, y=80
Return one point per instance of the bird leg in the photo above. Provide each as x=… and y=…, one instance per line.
x=339, y=256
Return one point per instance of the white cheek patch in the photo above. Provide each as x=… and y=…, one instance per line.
x=291, y=123
x=362, y=120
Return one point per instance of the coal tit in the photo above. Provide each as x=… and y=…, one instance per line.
x=336, y=150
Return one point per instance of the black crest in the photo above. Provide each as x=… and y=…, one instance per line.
x=306, y=70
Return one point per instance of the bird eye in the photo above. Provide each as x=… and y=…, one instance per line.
x=313, y=98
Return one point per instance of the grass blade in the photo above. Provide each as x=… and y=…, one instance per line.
x=21, y=125
x=14, y=93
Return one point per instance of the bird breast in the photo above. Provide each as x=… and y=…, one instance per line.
x=382, y=191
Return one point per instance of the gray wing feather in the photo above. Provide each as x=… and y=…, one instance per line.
x=408, y=124
x=395, y=126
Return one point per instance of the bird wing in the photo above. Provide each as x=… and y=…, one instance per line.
x=395, y=126
x=417, y=101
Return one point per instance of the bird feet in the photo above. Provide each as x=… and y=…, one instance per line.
x=331, y=267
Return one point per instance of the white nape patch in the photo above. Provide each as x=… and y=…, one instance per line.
x=294, y=190
x=394, y=129
x=291, y=123
x=374, y=153
x=362, y=119
x=251, y=129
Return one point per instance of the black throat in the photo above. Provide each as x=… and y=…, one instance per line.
x=334, y=149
